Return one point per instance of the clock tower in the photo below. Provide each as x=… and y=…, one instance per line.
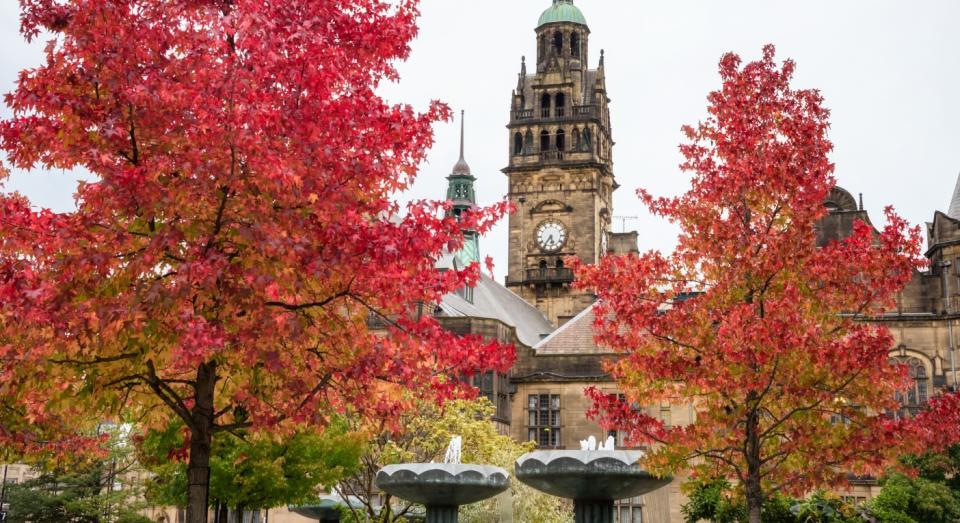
x=561, y=170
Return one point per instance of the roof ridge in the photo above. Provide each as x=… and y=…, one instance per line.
x=566, y=326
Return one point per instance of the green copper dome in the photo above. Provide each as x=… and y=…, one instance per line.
x=562, y=11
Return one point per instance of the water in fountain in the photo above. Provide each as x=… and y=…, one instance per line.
x=590, y=444
x=453, y=451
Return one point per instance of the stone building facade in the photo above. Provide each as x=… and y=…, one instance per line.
x=560, y=177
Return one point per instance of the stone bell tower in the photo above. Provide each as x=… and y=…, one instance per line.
x=561, y=170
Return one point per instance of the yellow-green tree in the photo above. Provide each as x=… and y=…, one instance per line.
x=426, y=433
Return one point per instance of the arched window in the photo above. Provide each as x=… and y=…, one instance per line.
x=528, y=143
x=518, y=143
x=576, y=138
x=560, y=105
x=575, y=45
x=545, y=105
x=915, y=397
x=543, y=268
x=544, y=140
x=560, y=263
x=587, y=140
x=542, y=48
x=561, y=140
x=558, y=43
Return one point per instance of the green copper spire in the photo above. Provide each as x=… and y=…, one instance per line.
x=461, y=193
x=562, y=11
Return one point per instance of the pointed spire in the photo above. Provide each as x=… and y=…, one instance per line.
x=461, y=168
x=954, y=211
x=462, y=132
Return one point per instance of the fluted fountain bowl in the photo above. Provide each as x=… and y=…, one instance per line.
x=442, y=484
x=587, y=474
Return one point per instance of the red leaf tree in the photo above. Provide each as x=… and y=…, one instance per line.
x=759, y=331
x=241, y=232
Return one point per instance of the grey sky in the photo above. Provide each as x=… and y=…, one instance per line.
x=889, y=69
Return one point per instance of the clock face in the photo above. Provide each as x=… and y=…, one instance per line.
x=551, y=236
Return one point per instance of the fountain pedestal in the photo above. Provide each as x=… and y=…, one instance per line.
x=593, y=479
x=442, y=487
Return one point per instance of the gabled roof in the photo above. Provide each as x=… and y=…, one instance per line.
x=574, y=337
x=493, y=300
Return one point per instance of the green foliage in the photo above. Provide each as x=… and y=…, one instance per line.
x=716, y=501
x=709, y=500
x=82, y=492
x=906, y=500
x=941, y=467
x=256, y=470
x=426, y=433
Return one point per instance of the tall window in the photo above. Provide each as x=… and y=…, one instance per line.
x=956, y=265
x=543, y=422
x=484, y=382
x=558, y=43
x=575, y=45
x=528, y=143
x=545, y=105
x=914, y=398
x=620, y=436
x=629, y=511
x=561, y=140
x=544, y=140
x=560, y=105
x=517, y=143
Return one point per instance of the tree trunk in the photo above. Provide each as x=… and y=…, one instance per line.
x=201, y=438
x=753, y=488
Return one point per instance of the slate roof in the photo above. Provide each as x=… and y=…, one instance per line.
x=954, y=211
x=574, y=337
x=493, y=300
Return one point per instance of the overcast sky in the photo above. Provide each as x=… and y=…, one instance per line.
x=889, y=70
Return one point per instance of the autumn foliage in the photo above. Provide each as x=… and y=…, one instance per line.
x=750, y=323
x=242, y=230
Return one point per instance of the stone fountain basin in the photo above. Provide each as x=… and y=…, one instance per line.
x=587, y=475
x=442, y=484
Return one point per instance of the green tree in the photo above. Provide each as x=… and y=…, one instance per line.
x=426, y=433
x=710, y=500
x=906, y=500
x=716, y=500
x=941, y=467
x=253, y=471
x=101, y=489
